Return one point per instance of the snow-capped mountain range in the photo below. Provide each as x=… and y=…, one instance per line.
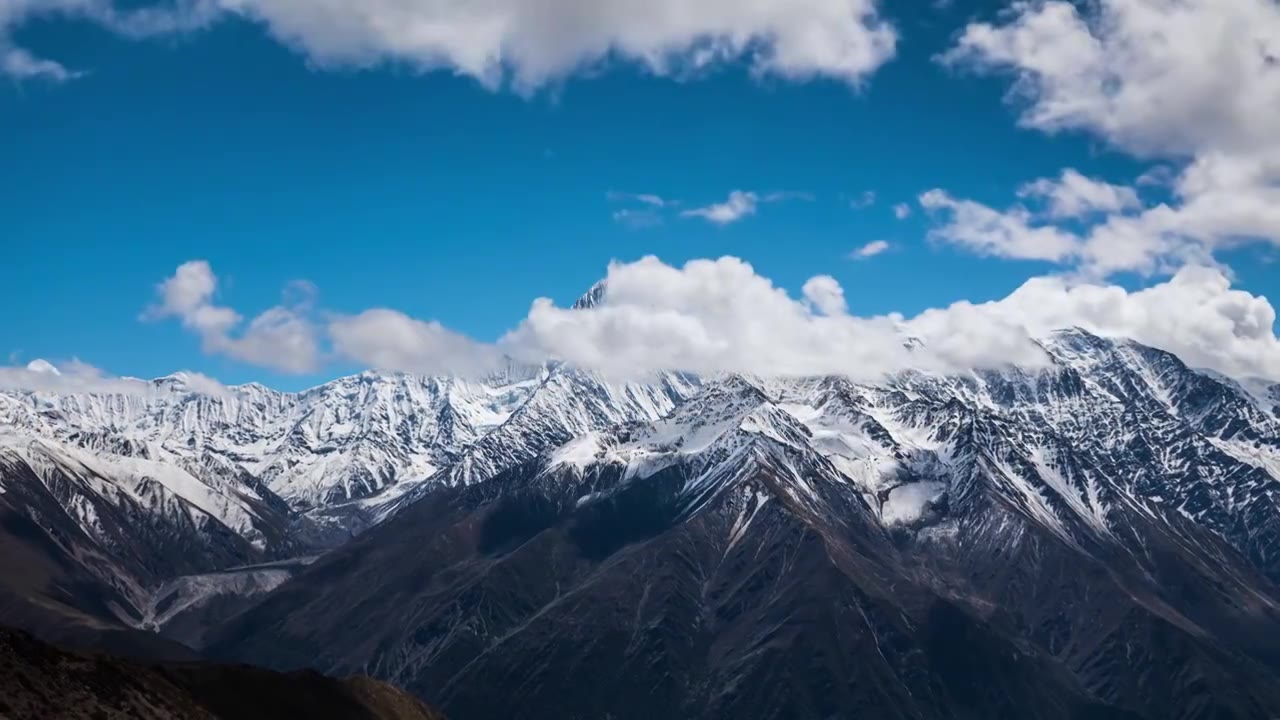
x=267, y=465
x=1109, y=445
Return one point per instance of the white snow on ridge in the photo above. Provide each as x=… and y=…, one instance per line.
x=343, y=439
x=111, y=476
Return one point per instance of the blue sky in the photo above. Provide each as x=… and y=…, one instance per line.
x=429, y=193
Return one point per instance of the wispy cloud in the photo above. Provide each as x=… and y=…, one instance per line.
x=644, y=209
x=740, y=204
x=642, y=198
x=870, y=250
x=902, y=211
x=864, y=200
x=19, y=64
x=637, y=218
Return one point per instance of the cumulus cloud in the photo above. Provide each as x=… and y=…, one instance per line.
x=530, y=44
x=902, y=211
x=710, y=316
x=824, y=294
x=1155, y=77
x=870, y=250
x=1193, y=82
x=282, y=337
x=1196, y=315
x=720, y=315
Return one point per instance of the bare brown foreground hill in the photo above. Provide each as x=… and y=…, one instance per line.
x=38, y=680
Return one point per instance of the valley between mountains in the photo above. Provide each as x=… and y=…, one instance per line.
x=1095, y=537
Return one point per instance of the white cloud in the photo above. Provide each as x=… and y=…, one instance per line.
x=870, y=250
x=650, y=199
x=709, y=316
x=1011, y=233
x=1196, y=315
x=282, y=337
x=17, y=63
x=646, y=211
x=739, y=205
x=1192, y=81
x=390, y=340
x=653, y=200
x=722, y=316
x=74, y=376
x=1220, y=202
x=539, y=42
x=1073, y=195
x=742, y=204
x=824, y=294
x=1155, y=77
x=529, y=44
x=902, y=211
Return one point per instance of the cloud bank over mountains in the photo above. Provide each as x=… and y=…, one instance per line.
x=721, y=315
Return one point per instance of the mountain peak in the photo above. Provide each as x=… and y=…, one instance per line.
x=594, y=297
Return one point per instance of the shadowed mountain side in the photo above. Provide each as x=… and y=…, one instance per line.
x=630, y=607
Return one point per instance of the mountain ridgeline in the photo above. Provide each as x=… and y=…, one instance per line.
x=1095, y=538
